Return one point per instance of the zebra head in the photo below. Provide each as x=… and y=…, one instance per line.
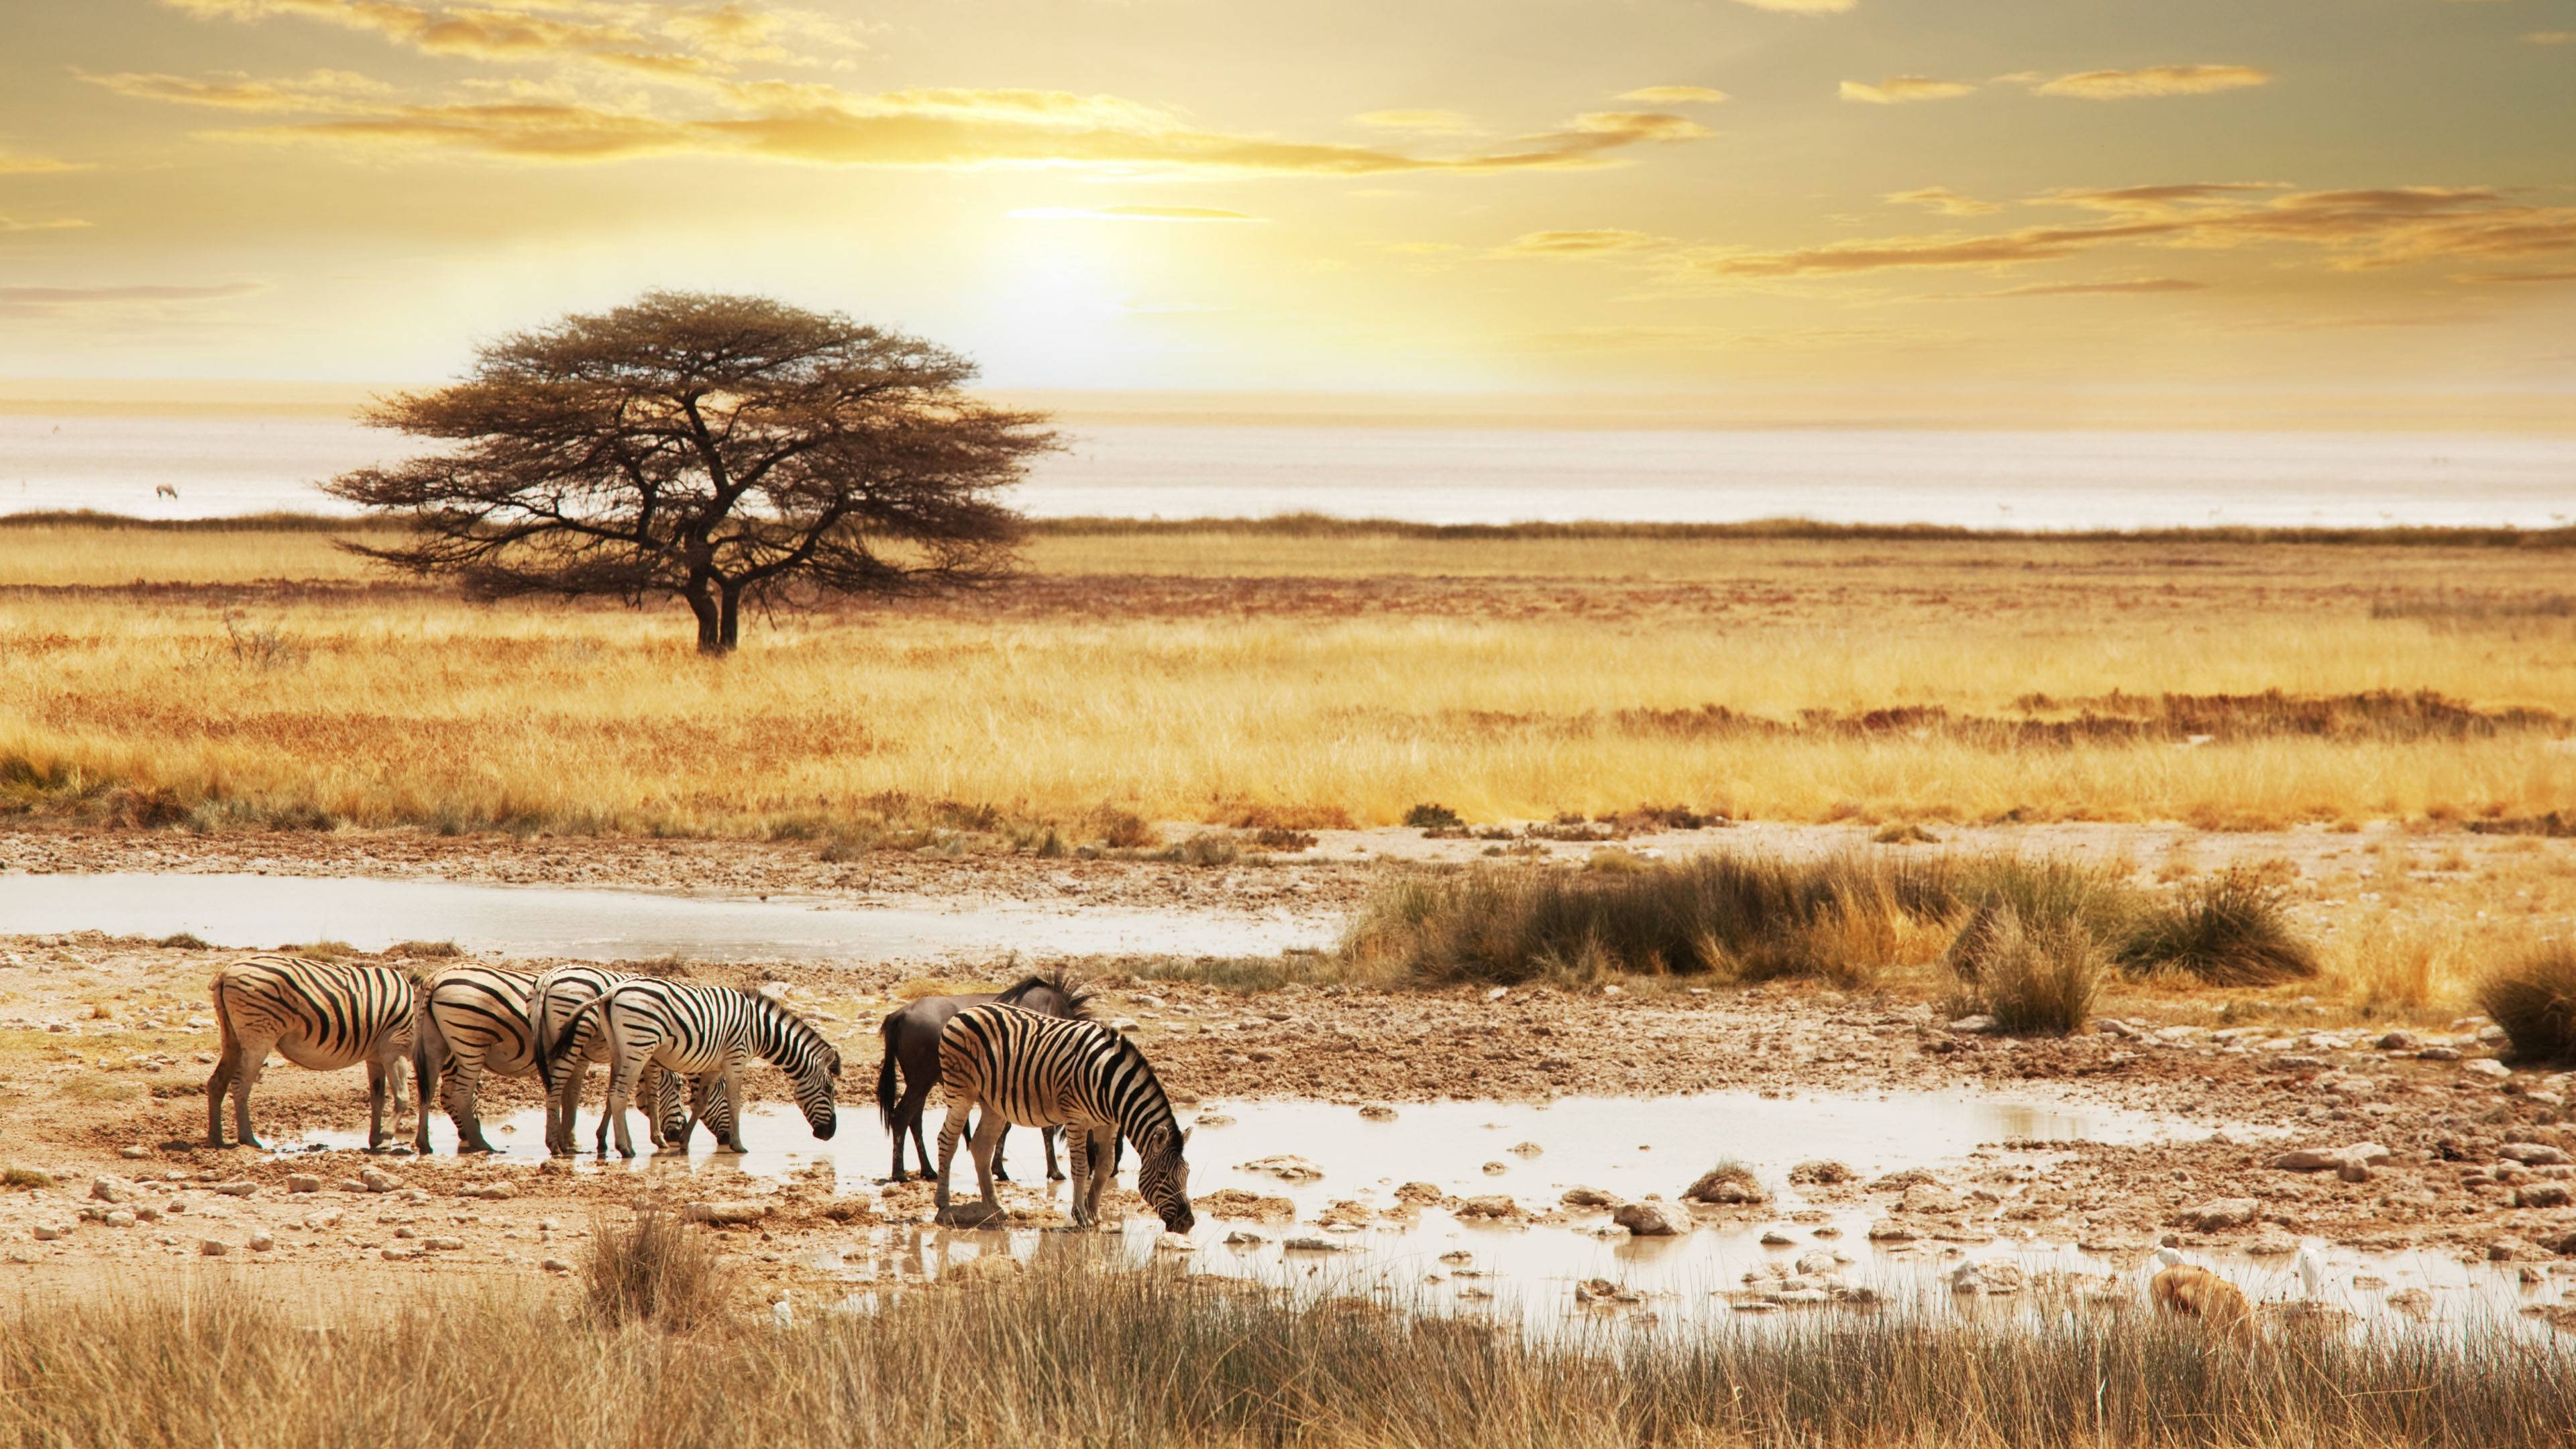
x=816, y=1080
x=805, y=1054
x=1164, y=1178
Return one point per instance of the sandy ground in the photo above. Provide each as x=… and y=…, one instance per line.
x=105, y=1046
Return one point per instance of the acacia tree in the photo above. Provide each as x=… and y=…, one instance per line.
x=728, y=450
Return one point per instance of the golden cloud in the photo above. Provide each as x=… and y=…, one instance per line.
x=327, y=92
x=66, y=301
x=12, y=165
x=1896, y=90
x=1599, y=241
x=1673, y=96
x=1427, y=122
x=1134, y=213
x=2551, y=37
x=677, y=44
x=1943, y=200
x=59, y=223
x=2155, y=80
x=2139, y=287
x=2508, y=278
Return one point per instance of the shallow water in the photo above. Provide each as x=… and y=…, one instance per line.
x=262, y=911
x=1629, y=1147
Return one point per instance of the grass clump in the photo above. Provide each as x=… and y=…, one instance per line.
x=2033, y=980
x=184, y=941
x=25, y=1177
x=2534, y=1000
x=2228, y=929
x=426, y=950
x=654, y=1271
x=1433, y=817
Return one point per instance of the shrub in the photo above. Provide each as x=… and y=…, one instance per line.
x=426, y=950
x=2226, y=930
x=652, y=1270
x=184, y=941
x=2033, y=980
x=26, y=1177
x=1210, y=848
x=1122, y=829
x=1432, y=817
x=2534, y=1000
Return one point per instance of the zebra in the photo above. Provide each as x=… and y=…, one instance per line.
x=475, y=1019
x=559, y=993
x=1042, y=1071
x=708, y=1034
x=321, y=1015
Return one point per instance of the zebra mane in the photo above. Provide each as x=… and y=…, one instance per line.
x=1145, y=1070
x=792, y=1023
x=1077, y=996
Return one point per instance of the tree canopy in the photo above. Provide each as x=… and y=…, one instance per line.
x=724, y=449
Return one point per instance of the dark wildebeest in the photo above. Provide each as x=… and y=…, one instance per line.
x=912, y=1042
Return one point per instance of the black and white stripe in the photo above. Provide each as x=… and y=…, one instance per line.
x=708, y=1035
x=322, y=1015
x=476, y=1019
x=555, y=1002
x=1042, y=1071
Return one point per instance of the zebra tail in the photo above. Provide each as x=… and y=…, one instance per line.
x=885, y=1077
x=550, y=1052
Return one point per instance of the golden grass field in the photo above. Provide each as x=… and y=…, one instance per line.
x=261, y=674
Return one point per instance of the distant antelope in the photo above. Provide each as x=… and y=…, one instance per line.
x=166, y=491
x=322, y=1015
x=2188, y=1292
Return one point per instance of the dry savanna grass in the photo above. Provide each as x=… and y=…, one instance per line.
x=259, y=676
x=1064, y=1354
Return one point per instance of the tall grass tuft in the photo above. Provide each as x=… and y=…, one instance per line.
x=1066, y=1355
x=652, y=1270
x=2228, y=929
x=2032, y=979
x=2534, y=1000
x=1740, y=916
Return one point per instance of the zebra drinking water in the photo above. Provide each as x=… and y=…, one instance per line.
x=911, y=1034
x=476, y=1019
x=320, y=1015
x=707, y=1034
x=1040, y=1071
x=558, y=995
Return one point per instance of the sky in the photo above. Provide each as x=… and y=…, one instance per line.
x=1878, y=197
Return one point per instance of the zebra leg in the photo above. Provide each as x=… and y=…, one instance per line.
x=987, y=1145
x=465, y=1105
x=254, y=1059
x=621, y=1090
x=376, y=1094
x=1048, y=1135
x=671, y=1111
x=566, y=1108
x=228, y=1074
x=1001, y=1159
x=950, y=1129
x=1081, y=1162
x=1097, y=1146
x=729, y=1082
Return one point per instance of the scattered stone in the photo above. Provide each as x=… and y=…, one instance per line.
x=1495, y=1205
x=1416, y=1194
x=2401, y=1041
x=376, y=1179
x=233, y=1189
x=2438, y=1054
x=1727, y=1182
x=2514, y=1250
x=1931, y=1199
x=1310, y=1245
x=493, y=1191
x=1241, y=1239
x=1496, y=1169
x=2322, y=1159
x=2221, y=1214
x=262, y=1241
x=214, y=1247
x=555, y=1265
x=136, y=1153
x=1175, y=1243
x=2542, y=1195
x=2533, y=1154
x=1774, y=1238
x=1823, y=1172
x=1817, y=1263
x=398, y=1253
x=1374, y=1112
x=1589, y=1197
x=1652, y=1219
x=49, y=1232
x=1887, y=1230
x=1292, y=1169
x=724, y=1214
x=442, y=1245
x=1234, y=1202
x=1970, y=1025
x=2487, y=1067
x=1527, y=1149
x=303, y=1182
x=118, y=1218
x=2271, y=1245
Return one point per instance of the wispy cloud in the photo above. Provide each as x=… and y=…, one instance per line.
x=1134, y=213
x=1673, y=96
x=1896, y=90
x=2495, y=279
x=41, y=302
x=321, y=92
x=12, y=164
x=58, y=223
x=1421, y=122
x=2155, y=80
x=1943, y=200
x=2551, y=37
x=654, y=41
x=2142, y=286
x=1595, y=242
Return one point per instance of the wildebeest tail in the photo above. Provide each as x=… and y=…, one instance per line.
x=1077, y=996
x=885, y=1076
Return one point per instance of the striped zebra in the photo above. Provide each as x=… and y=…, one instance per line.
x=707, y=1034
x=556, y=1000
x=1042, y=1071
x=475, y=1019
x=321, y=1015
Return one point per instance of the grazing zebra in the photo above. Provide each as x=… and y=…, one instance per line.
x=1041, y=1071
x=321, y=1015
x=707, y=1034
x=557, y=997
x=911, y=1034
x=475, y=1019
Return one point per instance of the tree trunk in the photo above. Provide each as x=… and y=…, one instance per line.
x=729, y=626
x=711, y=632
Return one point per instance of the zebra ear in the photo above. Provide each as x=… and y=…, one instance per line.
x=1185, y=1135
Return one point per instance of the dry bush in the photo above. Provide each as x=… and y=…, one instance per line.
x=1121, y=829
x=2226, y=930
x=2032, y=979
x=2534, y=1000
x=2389, y=963
x=1065, y=1355
x=652, y=1270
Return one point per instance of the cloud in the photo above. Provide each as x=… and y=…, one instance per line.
x=2551, y=37
x=2140, y=287
x=2509, y=278
x=12, y=165
x=1425, y=122
x=1802, y=7
x=2357, y=230
x=944, y=128
x=1600, y=241
x=1134, y=213
x=59, y=223
x=676, y=44
x=1896, y=90
x=1673, y=96
x=1943, y=200
x=323, y=92
x=42, y=302
x=2155, y=80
